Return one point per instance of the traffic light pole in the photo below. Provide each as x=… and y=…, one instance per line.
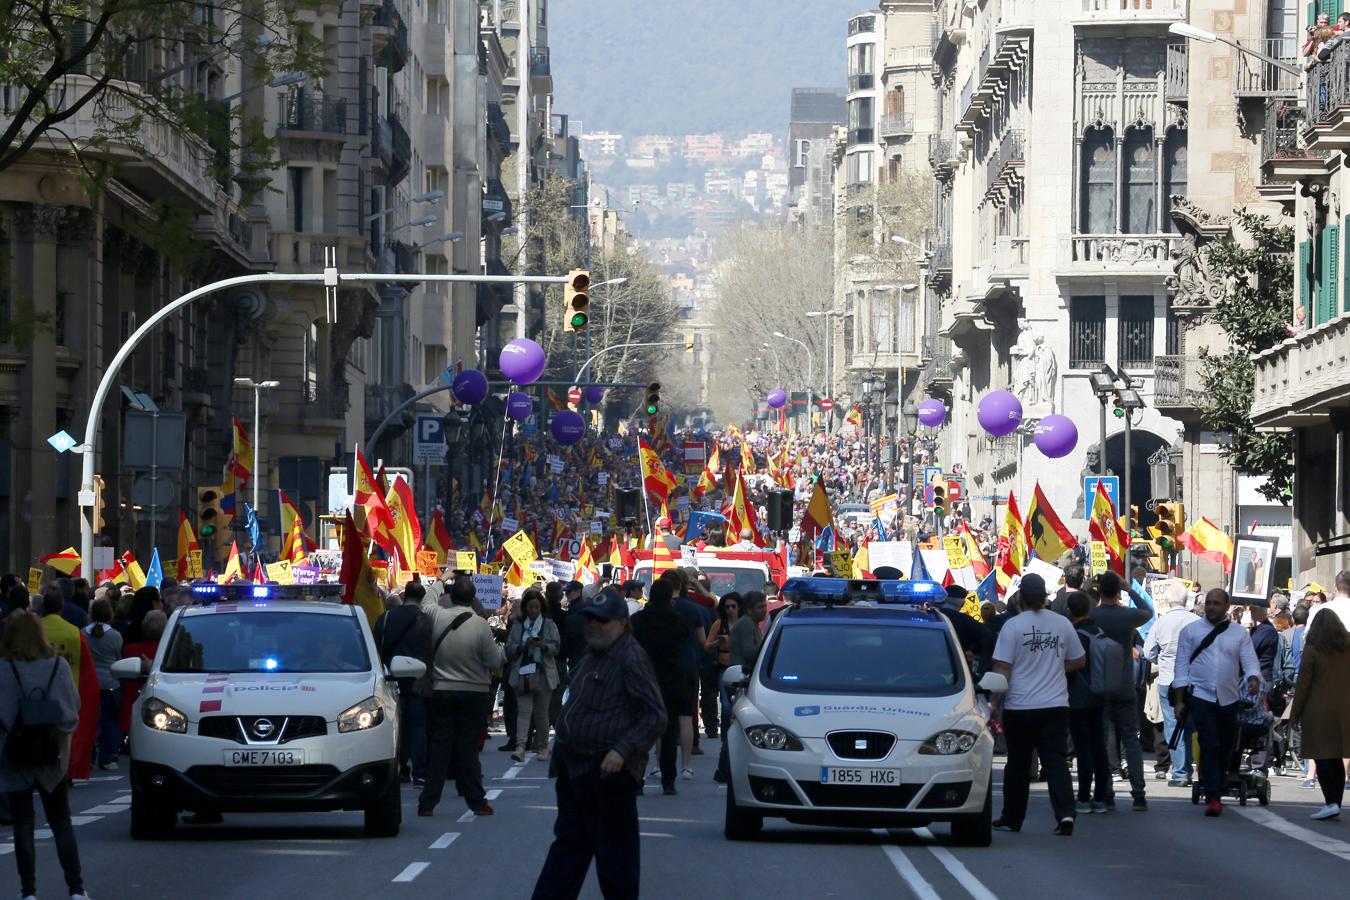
x=330, y=278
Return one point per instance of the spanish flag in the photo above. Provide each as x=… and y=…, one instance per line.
x=747, y=458
x=379, y=521
x=818, y=515
x=187, y=542
x=1207, y=541
x=438, y=539
x=407, y=530
x=1012, y=545
x=67, y=562
x=135, y=574
x=707, y=479
x=1044, y=530
x=586, y=573
x=356, y=575
x=291, y=517
x=240, y=463
x=740, y=514
x=234, y=569
x=1104, y=527
x=978, y=562
x=556, y=403
x=655, y=477
x=854, y=416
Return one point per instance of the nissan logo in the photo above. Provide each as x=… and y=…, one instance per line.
x=262, y=727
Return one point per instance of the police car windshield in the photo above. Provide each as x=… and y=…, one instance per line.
x=266, y=642
x=862, y=658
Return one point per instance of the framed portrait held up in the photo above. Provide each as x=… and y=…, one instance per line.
x=1253, y=575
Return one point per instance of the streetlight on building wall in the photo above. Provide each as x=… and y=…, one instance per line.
x=257, y=387
x=1191, y=33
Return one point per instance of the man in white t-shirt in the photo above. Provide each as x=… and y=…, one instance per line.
x=1035, y=651
x=1340, y=604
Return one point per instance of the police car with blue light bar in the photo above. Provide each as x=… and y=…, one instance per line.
x=861, y=712
x=262, y=699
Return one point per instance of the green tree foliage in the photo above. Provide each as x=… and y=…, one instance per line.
x=130, y=66
x=1258, y=274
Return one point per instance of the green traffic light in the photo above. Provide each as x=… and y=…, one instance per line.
x=652, y=409
x=1120, y=413
x=208, y=530
x=579, y=320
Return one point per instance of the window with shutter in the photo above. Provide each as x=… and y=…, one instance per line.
x=1305, y=285
x=1333, y=272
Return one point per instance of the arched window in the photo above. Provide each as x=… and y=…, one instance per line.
x=1098, y=212
x=1174, y=169
x=1141, y=182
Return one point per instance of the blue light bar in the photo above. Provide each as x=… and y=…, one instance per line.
x=206, y=589
x=843, y=590
x=261, y=592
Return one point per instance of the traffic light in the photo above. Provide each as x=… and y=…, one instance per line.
x=1165, y=530
x=210, y=517
x=97, y=520
x=940, y=498
x=652, y=404
x=577, y=300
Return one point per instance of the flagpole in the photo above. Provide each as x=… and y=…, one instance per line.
x=646, y=506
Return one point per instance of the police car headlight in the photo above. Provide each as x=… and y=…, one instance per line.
x=364, y=715
x=948, y=743
x=771, y=737
x=162, y=717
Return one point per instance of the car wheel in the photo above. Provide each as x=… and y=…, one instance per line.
x=150, y=819
x=977, y=830
x=740, y=824
x=385, y=815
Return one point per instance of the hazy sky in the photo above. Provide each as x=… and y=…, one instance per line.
x=683, y=66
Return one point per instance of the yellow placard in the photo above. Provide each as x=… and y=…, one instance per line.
x=956, y=551
x=491, y=569
x=466, y=561
x=521, y=549
x=170, y=567
x=1097, y=555
x=842, y=563
x=428, y=564
x=280, y=572
x=34, y=580
x=194, y=564
x=971, y=607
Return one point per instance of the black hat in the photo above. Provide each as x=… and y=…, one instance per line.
x=956, y=592
x=573, y=586
x=607, y=605
x=886, y=573
x=1032, y=585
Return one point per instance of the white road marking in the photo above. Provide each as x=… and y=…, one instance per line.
x=104, y=809
x=6, y=849
x=1309, y=836
x=512, y=772
x=412, y=871
x=467, y=817
x=681, y=821
x=493, y=794
x=916, y=882
x=300, y=851
x=83, y=820
x=957, y=869
x=444, y=840
x=517, y=787
x=654, y=834
x=126, y=799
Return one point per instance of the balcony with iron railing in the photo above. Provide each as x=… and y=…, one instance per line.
x=1007, y=159
x=400, y=162
x=311, y=111
x=1285, y=156
x=1256, y=79
x=941, y=153
x=1178, y=383
x=1176, y=73
x=541, y=70
x=497, y=126
x=896, y=125
x=1328, y=94
x=1130, y=12
x=389, y=38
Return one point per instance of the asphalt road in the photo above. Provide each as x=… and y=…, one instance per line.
x=1170, y=851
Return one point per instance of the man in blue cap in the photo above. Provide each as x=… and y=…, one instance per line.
x=613, y=714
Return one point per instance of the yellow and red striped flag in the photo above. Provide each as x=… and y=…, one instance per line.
x=187, y=542
x=655, y=477
x=1207, y=541
x=67, y=562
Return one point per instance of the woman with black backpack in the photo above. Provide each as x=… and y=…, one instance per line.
x=39, y=710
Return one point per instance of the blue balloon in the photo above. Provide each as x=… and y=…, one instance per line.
x=470, y=387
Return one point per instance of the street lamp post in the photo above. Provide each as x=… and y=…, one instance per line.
x=257, y=387
x=1103, y=384
x=1191, y=33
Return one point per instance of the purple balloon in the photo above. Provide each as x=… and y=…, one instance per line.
x=567, y=427
x=470, y=387
x=594, y=394
x=932, y=413
x=522, y=361
x=1000, y=413
x=519, y=406
x=1056, y=436
x=777, y=399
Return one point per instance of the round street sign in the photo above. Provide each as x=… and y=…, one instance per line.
x=826, y=404
x=574, y=395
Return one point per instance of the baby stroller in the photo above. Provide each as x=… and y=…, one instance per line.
x=1249, y=768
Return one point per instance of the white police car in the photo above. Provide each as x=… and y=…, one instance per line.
x=860, y=712
x=264, y=705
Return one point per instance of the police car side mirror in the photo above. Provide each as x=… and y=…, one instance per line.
x=993, y=683
x=128, y=669
x=735, y=677
x=406, y=667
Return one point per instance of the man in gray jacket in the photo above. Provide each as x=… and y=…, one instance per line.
x=464, y=656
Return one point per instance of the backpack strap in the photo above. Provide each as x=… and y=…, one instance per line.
x=459, y=620
x=1209, y=639
x=56, y=667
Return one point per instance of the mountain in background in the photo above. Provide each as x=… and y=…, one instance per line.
x=692, y=66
